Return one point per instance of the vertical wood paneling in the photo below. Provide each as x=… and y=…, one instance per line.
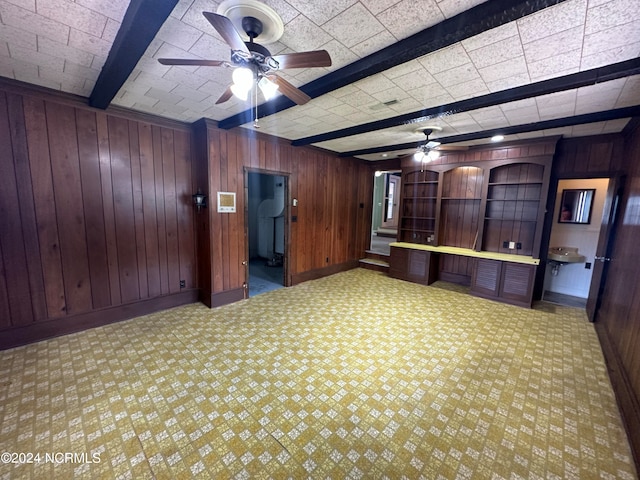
x=27, y=210
x=235, y=220
x=108, y=208
x=65, y=166
x=215, y=146
x=93, y=208
x=11, y=236
x=138, y=209
x=170, y=210
x=123, y=208
x=81, y=192
x=185, y=209
x=149, y=208
x=161, y=225
x=5, y=313
x=45, y=206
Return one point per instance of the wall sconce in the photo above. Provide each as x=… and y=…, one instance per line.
x=199, y=200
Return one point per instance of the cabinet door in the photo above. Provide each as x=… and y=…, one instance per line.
x=516, y=285
x=416, y=266
x=485, y=280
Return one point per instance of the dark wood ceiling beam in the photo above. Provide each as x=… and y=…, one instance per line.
x=626, y=112
x=544, y=87
x=140, y=25
x=483, y=17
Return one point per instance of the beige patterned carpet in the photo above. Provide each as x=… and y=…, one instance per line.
x=352, y=376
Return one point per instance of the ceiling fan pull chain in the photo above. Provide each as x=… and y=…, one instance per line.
x=255, y=117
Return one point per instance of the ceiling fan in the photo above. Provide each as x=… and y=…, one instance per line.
x=430, y=150
x=253, y=64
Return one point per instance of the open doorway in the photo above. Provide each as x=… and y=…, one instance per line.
x=569, y=283
x=266, y=230
x=386, y=210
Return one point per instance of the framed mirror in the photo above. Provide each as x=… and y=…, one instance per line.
x=576, y=206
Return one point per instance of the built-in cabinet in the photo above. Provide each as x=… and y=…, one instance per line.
x=490, y=201
x=504, y=281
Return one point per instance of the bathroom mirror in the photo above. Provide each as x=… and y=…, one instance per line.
x=576, y=206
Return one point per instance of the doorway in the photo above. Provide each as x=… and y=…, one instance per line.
x=266, y=231
x=571, y=284
x=386, y=210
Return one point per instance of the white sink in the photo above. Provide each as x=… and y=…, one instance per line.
x=565, y=255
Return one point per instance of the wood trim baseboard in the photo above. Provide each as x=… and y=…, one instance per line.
x=37, y=331
x=219, y=299
x=297, y=278
x=628, y=401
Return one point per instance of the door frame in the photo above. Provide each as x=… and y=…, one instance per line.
x=605, y=237
x=286, y=280
x=397, y=180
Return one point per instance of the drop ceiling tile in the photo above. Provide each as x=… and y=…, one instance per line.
x=49, y=47
x=612, y=38
x=427, y=93
x=618, y=54
x=114, y=9
x=353, y=26
x=193, y=15
x=403, y=69
x=497, y=52
x=512, y=81
x=458, y=75
x=301, y=35
x=552, y=20
x=26, y=20
x=564, y=41
x=506, y=69
x=375, y=84
x=563, y=64
x=408, y=17
x=414, y=80
x=490, y=37
x=81, y=71
x=74, y=15
x=360, y=99
x=4, y=49
x=343, y=110
x=373, y=44
x=179, y=34
x=450, y=8
x=210, y=48
x=611, y=15
x=321, y=12
x=377, y=6
x=614, y=126
x=26, y=4
x=394, y=93
x=587, y=129
x=89, y=43
x=25, y=75
x=567, y=97
x=16, y=36
x=110, y=30
x=37, y=58
x=285, y=9
x=340, y=56
x=445, y=59
x=630, y=94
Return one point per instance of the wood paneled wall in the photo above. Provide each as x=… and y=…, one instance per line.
x=332, y=220
x=95, y=213
x=618, y=320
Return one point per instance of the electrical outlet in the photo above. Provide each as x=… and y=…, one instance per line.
x=505, y=244
x=183, y=284
x=327, y=260
x=519, y=246
x=587, y=265
x=512, y=245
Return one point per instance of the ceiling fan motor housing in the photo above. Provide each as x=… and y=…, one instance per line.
x=260, y=59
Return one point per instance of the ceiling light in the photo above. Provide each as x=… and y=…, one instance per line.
x=268, y=88
x=497, y=138
x=243, y=78
x=418, y=156
x=378, y=173
x=239, y=92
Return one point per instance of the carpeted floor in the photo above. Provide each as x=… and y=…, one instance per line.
x=351, y=376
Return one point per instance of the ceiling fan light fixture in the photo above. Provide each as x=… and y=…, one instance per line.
x=497, y=138
x=240, y=92
x=268, y=88
x=243, y=78
x=418, y=156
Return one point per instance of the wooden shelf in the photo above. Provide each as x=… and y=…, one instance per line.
x=514, y=183
x=460, y=198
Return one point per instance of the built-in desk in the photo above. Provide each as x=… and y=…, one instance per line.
x=498, y=276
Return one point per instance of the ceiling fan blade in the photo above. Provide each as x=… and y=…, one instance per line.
x=289, y=90
x=452, y=148
x=226, y=30
x=225, y=96
x=315, y=58
x=193, y=62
